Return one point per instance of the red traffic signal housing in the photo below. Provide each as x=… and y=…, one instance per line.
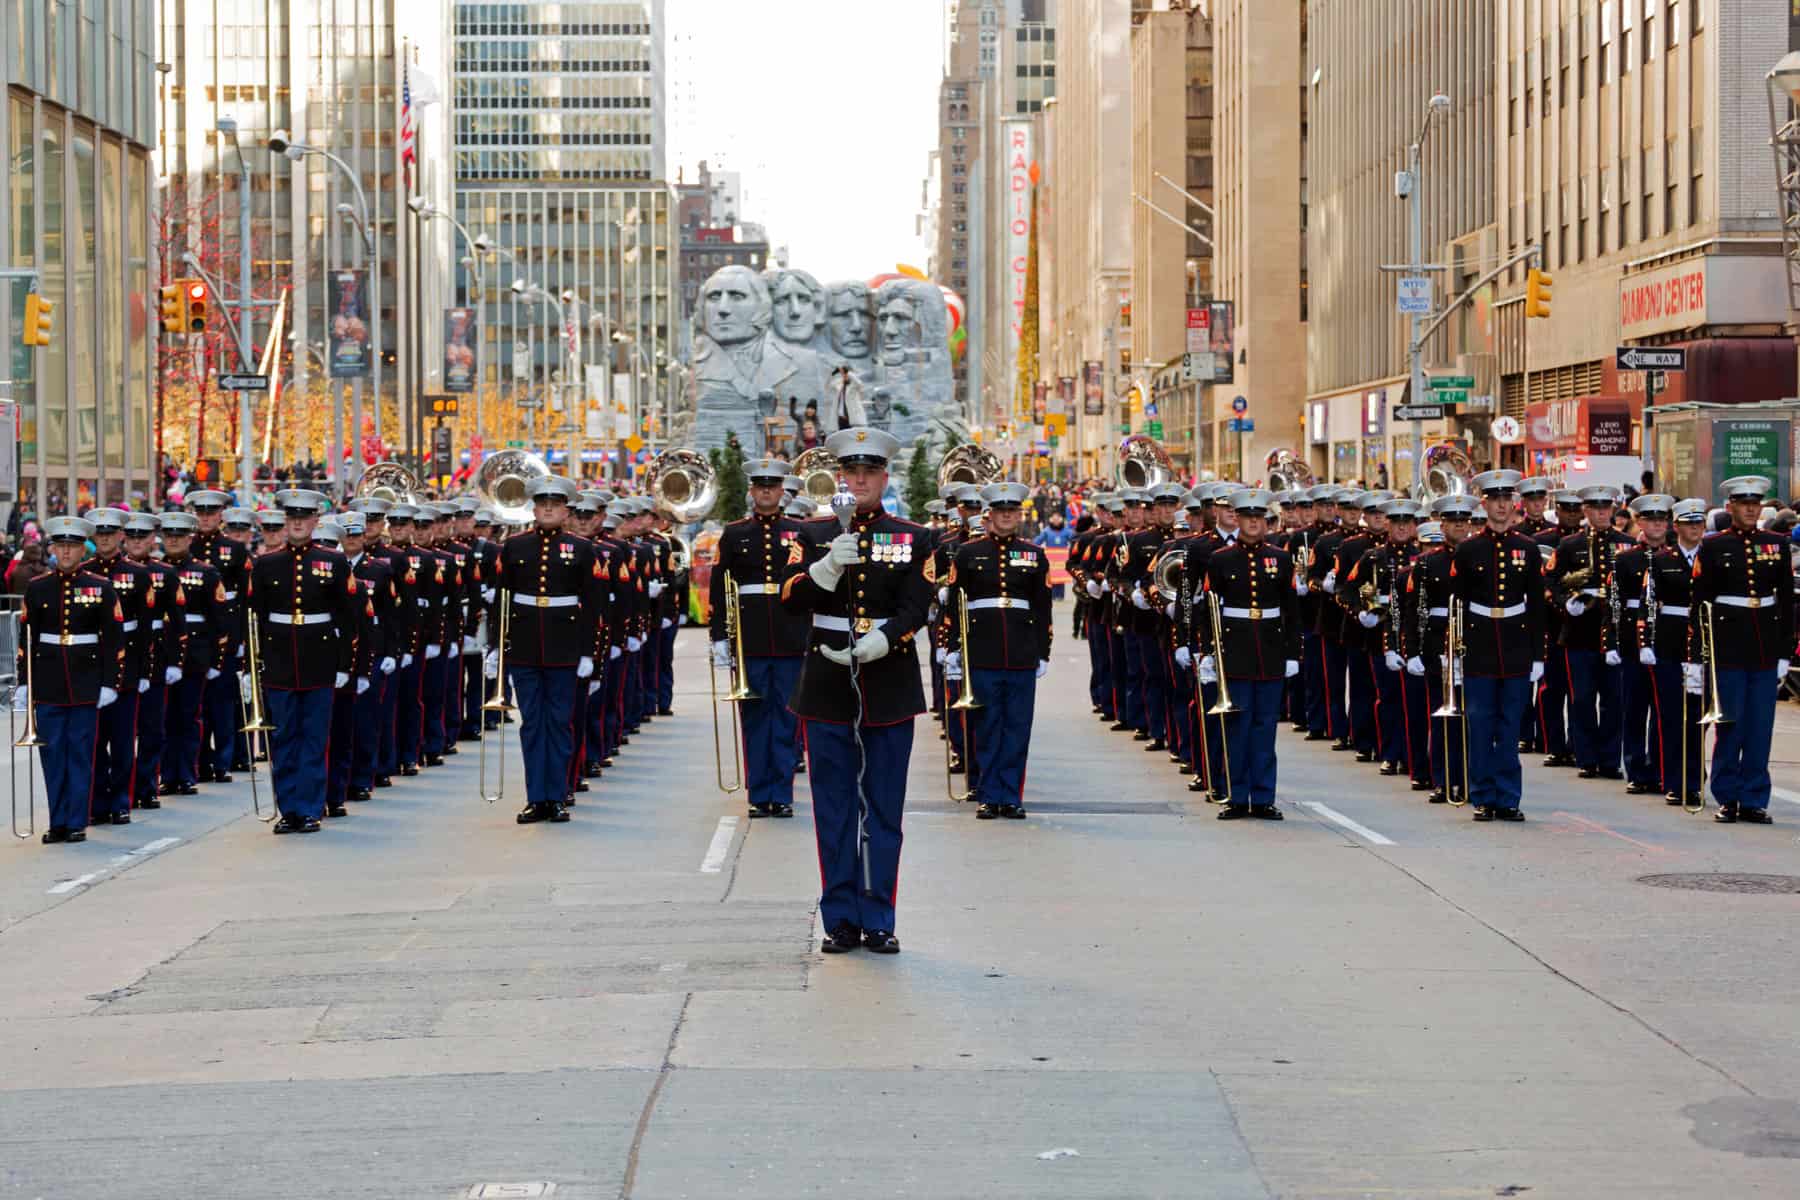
x=194, y=305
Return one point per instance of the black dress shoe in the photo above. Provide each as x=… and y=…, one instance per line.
x=434, y=760
x=1142, y=735
x=76, y=835
x=384, y=781
x=567, y=801
x=1299, y=726
x=1198, y=785
x=1755, y=816
x=221, y=777
x=1118, y=727
x=1421, y=785
x=186, y=789
x=1440, y=796
x=1267, y=812
x=582, y=785
x=1013, y=812
x=308, y=825
x=881, y=941
x=121, y=818
x=240, y=764
x=1365, y=756
x=204, y=775
x=781, y=810
x=665, y=712
x=359, y=795
x=1634, y=788
x=800, y=766
x=1156, y=746
x=336, y=810
x=842, y=939
x=1559, y=760
x=1184, y=769
x=1509, y=814
x=284, y=825
x=986, y=812
x=531, y=814
x=1343, y=744
x=53, y=835
x=451, y=751
x=1588, y=773
x=956, y=766
x=408, y=770
x=1672, y=798
x=1726, y=815
x=149, y=802
x=760, y=810
x=590, y=769
x=558, y=816
x=606, y=762
x=1612, y=773
x=1392, y=768
x=1313, y=736
x=1483, y=813
x=1234, y=812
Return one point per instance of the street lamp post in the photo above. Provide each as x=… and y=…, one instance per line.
x=478, y=246
x=246, y=331
x=1411, y=187
x=532, y=291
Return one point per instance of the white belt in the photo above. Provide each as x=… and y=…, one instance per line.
x=230, y=596
x=842, y=624
x=69, y=639
x=1673, y=610
x=759, y=589
x=1745, y=601
x=196, y=619
x=1381, y=599
x=1249, y=614
x=282, y=618
x=1000, y=602
x=156, y=624
x=1634, y=604
x=130, y=626
x=1498, y=614
x=1596, y=593
x=546, y=601
x=424, y=603
x=1437, y=612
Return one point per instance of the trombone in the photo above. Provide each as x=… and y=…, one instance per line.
x=497, y=703
x=1455, y=706
x=1223, y=707
x=255, y=719
x=1715, y=712
x=736, y=695
x=965, y=700
x=25, y=740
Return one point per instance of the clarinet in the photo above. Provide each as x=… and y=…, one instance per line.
x=1394, y=602
x=1614, y=601
x=1422, y=590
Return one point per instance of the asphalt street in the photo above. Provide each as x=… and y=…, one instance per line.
x=1120, y=997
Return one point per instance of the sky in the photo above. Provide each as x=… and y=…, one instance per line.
x=828, y=109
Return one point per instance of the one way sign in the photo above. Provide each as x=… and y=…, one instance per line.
x=1643, y=358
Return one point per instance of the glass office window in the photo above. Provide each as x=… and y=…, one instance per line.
x=111, y=266
x=137, y=362
x=21, y=180
x=83, y=307
x=52, y=360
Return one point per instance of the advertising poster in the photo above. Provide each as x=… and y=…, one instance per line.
x=1065, y=395
x=1040, y=402
x=460, y=334
x=347, y=296
x=1094, y=389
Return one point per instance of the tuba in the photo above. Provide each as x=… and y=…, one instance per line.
x=504, y=483
x=1284, y=470
x=969, y=463
x=1447, y=472
x=818, y=472
x=1141, y=462
x=1165, y=572
x=681, y=481
x=391, y=482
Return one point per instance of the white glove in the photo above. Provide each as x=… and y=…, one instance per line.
x=1394, y=661
x=470, y=645
x=826, y=574
x=1169, y=610
x=1647, y=656
x=667, y=624
x=952, y=665
x=107, y=696
x=362, y=684
x=490, y=666
x=870, y=646
x=488, y=595
x=845, y=550
x=1043, y=667
x=388, y=664
x=1575, y=606
x=1693, y=678
x=1781, y=669
x=721, y=655
x=1106, y=585
x=1292, y=668
x=655, y=587
x=584, y=667
x=1208, y=672
x=1184, y=658
x=1613, y=659
x=593, y=687
x=454, y=650
x=432, y=651
x=19, y=699
x=1368, y=620
x=143, y=686
x=240, y=652
x=1331, y=580
x=1300, y=587
x=681, y=618
x=1139, y=599
x=943, y=595
x=406, y=660
x=1537, y=672
x=616, y=652
x=171, y=676
x=634, y=644
x=1094, y=589
x=212, y=673
x=341, y=679
x=1415, y=665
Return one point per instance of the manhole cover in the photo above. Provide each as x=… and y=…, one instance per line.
x=1706, y=881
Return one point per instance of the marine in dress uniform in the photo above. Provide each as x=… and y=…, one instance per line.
x=1087, y=569
x=755, y=552
x=1182, y=726
x=240, y=526
x=865, y=591
x=1375, y=579
x=1360, y=659
x=1322, y=579
x=1323, y=500
x=623, y=603
x=414, y=571
x=674, y=610
x=1298, y=530
x=1429, y=592
x=328, y=534
x=484, y=553
x=1743, y=579
x=1256, y=650
x=72, y=643
x=1626, y=642
x=219, y=703
x=378, y=546
x=1146, y=626
x=205, y=618
x=308, y=608
x=552, y=583
x=957, y=723
x=162, y=665
x=1534, y=499
x=379, y=642
x=115, y=757
x=1667, y=609
x=1006, y=582
x=1128, y=647
x=1583, y=585
x=1498, y=576
x=1552, y=699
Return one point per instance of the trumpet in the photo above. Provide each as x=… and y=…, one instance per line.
x=1454, y=706
x=27, y=739
x=1223, y=707
x=255, y=720
x=736, y=694
x=497, y=703
x=966, y=698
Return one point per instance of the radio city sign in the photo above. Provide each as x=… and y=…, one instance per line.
x=1711, y=289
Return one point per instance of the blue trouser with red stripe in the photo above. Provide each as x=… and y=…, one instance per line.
x=300, y=748
x=1595, y=725
x=617, y=671
x=1008, y=701
x=1677, y=717
x=343, y=745
x=115, y=761
x=546, y=700
x=1334, y=667
x=1390, y=711
x=181, y=728
x=70, y=733
x=1641, y=739
x=855, y=888
x=1740, y=762
x=771, y=743
x=1312, y=670
x=1494, y=706
x=408, y=722
x=371, y=734
x=431, y=700
x=1250, y=741
x=149, y=739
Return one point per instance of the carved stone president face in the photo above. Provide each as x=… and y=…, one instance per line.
x=734, y=305
x=851, y=321
x=799, y=305
x=899, y=329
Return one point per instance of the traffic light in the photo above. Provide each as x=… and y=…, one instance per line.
x=194, y=301
x=169, y=306
x=206, y=470
x=1537, y=293
x=36, y=330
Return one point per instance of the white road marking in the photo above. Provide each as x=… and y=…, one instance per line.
x=1784, y=794
x=1337, y=818
x=142, y=852
x=721, y=845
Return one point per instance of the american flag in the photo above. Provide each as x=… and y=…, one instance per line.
x=409, y=149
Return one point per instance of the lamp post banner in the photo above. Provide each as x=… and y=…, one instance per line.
x=347, y=295
x=461, y=342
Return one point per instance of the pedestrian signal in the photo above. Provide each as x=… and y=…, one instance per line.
x=1537, y=293
x=194, y=304
x=206, y=470
x=169, y=307
x=38, y=311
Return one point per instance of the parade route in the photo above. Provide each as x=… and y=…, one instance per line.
x=1119, y=997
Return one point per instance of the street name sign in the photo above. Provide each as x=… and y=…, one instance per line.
x=243, y=383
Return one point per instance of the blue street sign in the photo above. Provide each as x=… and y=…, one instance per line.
x=1239, y=404
x=1240, y=425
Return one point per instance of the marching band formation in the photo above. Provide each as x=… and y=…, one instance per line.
x=1438, y=641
